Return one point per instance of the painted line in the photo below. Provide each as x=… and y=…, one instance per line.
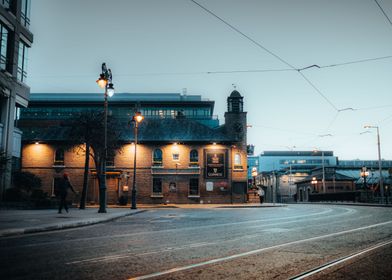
x=328, y=210
x=245, y=254
x=338, y=261
x=122, y=256
x=192, y=245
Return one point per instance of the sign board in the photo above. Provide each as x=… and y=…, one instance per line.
x=209, y=186
x=215, y=163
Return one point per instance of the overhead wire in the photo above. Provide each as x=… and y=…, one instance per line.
x=266, y=50
x=218, y=71
x=384, y=13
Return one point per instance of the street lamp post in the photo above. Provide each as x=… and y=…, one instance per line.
x=104, y=81
x=322, y=159
x=136, y=119
x=323, y=169
x=379, y=161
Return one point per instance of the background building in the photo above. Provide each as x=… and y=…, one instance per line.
x=14, y=93
x=280, y=170
x=183, y=155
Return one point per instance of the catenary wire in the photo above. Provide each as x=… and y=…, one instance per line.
x=266, y=50
x=384, y=13
x=217, y=71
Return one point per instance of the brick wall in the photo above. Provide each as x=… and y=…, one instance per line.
x=39, y=160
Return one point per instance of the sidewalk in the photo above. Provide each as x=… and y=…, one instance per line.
x=18, y=222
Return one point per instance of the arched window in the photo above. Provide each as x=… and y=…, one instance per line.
x=194, y=156
x=157, y=157
x=237, y=161
x=59, y=157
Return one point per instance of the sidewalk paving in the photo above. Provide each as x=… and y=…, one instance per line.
x=18, y=222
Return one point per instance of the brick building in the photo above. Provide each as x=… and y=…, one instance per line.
x=183, y=154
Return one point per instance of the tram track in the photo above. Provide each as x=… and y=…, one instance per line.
x=339, y=261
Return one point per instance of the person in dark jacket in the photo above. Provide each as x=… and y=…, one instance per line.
x=63, y=191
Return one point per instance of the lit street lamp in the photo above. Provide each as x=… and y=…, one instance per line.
x=104, y=81
x=314, y=183
x=364, y=175
x=379, y=161
x=136, y=119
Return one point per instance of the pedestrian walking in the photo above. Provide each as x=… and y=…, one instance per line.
x=260, y=192
x=64, y=185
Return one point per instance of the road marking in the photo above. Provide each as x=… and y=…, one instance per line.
x=187, y=246
x=338, y=261
x=122, y=256
x=245, y=254
x=328, y=210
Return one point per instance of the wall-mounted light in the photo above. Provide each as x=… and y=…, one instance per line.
x=36, y=143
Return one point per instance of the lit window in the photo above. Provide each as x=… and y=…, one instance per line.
x=237, y=161
x=194, y=187
x=59, y=157
x=157, y=157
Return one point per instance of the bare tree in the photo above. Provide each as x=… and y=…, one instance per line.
x=88, y=129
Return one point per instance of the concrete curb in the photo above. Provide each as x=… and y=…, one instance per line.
x=60, y=226
x=254, y=206
x=346, y=204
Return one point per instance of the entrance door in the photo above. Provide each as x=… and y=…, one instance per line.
x=112, y=189
x=239, y=192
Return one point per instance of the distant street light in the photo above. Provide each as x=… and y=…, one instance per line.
x=136, y=119
x=364, y=174
x=314, y=183
x=104, y=81
x=323, y=167
x=379, y=161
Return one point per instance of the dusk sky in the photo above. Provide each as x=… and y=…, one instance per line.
x=156, y=46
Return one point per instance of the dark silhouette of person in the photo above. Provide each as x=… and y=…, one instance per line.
x=63, y=191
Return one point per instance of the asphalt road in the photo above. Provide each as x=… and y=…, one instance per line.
x=255, y=243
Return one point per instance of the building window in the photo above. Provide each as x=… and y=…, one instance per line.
x=237, y=161
x=193, y=158
x=157, y=157
x=176, y=156
x=59, y=157
x=110, y=160
x=3, y=47
x=194, y=187
x=25, y=13
x=157, y=186
x=22, y=62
